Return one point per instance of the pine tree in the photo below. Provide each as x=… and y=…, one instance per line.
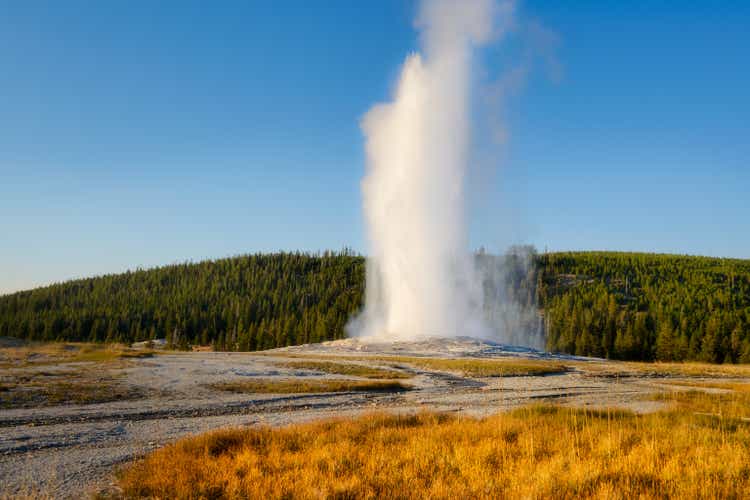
x=666, y=349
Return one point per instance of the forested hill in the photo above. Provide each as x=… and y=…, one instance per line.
x=618, y=305
x=646, y=306
x=249, y=302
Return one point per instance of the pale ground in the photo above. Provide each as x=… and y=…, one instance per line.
x=71, y=451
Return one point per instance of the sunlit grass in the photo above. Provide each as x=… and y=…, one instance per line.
x=659, y=369
x=37, y=354
x=728, y=386
x=469, y=367
x=477, y=366
x=730, y=406
x=50, y=374
x=536, y=452
x=292, y=386
x=111, y=354
x=472, y=367
x=347, y=369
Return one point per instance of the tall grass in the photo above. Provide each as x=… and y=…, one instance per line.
x=536, y=452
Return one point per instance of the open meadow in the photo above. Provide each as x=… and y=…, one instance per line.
x=350, y=419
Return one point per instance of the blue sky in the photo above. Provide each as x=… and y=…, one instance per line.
x=145, y=133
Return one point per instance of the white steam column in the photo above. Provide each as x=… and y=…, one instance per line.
x=421, y=280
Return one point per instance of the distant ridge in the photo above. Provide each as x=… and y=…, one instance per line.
x=622, y=305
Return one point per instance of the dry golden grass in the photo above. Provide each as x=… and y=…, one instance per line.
x=469, y=367
x=347, y=369
x=50, y=374
x=536, y=452
x=473, y=367
x=658, y=369
x=293, y=386
x=60, y=393
x=33, y=388
x=37, y=354
x=729, y=386
x=511, y=366
x=728, y=407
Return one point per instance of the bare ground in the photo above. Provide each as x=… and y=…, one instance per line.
x=72, y=450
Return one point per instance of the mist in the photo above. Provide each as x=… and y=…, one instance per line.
x=422, y=278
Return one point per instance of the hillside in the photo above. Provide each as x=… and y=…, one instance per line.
x=646, y=306
x=244, y=303
x=616, y=305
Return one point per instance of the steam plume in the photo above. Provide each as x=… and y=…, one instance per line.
x=421, y=277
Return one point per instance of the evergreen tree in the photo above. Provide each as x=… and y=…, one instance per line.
x=666, y=348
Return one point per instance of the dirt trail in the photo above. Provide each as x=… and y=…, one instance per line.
x=73, y=450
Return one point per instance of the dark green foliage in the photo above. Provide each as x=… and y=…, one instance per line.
x=646, y=306
x=617, y=305
x=242, y=303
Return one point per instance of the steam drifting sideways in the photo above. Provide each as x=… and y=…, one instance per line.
x=422, y=279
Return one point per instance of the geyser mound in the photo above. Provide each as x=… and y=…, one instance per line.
x=434, y=347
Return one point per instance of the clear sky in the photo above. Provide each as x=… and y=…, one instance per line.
x=146, y=133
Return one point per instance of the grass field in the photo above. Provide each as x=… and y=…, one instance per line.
x=472, y=367
x=34, y=354
x=498, y=367
x=37, y=375
x=351, y=369
x=699, y=448
x=466, y=366
x=63, y=388
x=294, y=386
x=689, y=369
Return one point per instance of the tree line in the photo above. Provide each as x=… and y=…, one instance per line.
x=631, y=306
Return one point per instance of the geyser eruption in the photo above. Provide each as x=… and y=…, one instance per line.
x=421, y=276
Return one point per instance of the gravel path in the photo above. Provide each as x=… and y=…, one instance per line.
x=73, y=451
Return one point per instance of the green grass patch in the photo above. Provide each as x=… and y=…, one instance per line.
x=104, y=355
